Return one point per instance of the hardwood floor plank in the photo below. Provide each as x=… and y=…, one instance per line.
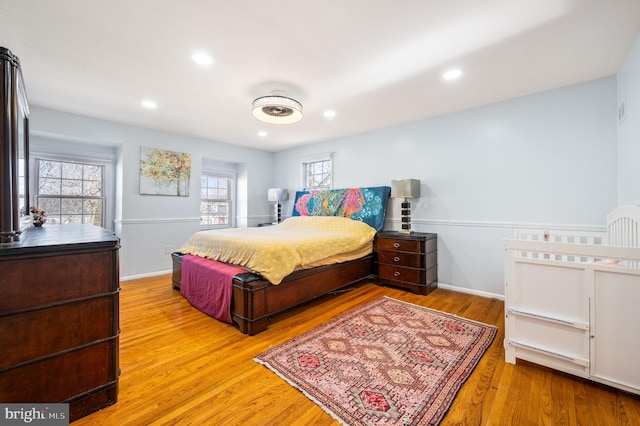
x=544, y=415
x=181, y=367
x=533, y=408
x=502, y=386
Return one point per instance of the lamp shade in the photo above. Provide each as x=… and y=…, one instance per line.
x=405, y=188
x=277, y=194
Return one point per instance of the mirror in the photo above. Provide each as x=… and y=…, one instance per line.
x=14, y=150
x=23, y=152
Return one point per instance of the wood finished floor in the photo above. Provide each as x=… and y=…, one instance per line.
x=181, y=367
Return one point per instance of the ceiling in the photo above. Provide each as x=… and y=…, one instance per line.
x=375, y=63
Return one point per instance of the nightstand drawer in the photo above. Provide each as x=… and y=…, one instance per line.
x=388, y=272
x=401, y=259
x=398, y=245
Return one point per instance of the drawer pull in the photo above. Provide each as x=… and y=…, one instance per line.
x=396, y=245
x=396, y=274
x=396, y=259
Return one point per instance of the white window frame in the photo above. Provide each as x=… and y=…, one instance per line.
x=107, y=160
x=232, y=197
x=107, y=182
x=316, y=159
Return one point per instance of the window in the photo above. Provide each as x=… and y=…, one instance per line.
x=317, y=172
x=70, y=192
x=22, y=187
x=216, y=200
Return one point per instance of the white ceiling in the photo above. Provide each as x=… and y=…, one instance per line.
x=376, y=63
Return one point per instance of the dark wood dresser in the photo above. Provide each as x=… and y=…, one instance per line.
x=407, y=260
x=59, y=318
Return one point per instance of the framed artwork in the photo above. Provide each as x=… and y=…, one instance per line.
x=164, y=172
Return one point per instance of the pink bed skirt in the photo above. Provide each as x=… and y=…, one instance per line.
x=207, y=285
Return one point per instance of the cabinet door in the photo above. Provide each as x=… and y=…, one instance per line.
x=547, y=315
x=616, y=321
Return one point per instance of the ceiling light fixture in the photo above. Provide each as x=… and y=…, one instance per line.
x=276, y=109
x=262, y=133
x=329, y=114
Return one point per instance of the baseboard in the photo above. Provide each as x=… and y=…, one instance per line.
x=470, y=291
x=150, y=274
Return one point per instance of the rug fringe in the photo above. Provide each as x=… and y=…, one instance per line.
x=295, y=386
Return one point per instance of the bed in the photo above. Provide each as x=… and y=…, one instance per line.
x=256, y=291
x=572, y=300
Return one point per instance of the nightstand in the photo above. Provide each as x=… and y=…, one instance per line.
x=407, y=260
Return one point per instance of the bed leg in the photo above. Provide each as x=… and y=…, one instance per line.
x=251, y=327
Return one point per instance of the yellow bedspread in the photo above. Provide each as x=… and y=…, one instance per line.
x=276, y=251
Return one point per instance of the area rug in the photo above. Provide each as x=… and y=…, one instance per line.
x=387, y=362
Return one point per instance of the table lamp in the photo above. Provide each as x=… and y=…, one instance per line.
x=276, y=195
x=405, y=188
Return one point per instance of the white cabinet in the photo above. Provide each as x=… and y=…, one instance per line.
x=575, y=315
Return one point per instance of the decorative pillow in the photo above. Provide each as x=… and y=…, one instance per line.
x=367, y=205
x=318, y=203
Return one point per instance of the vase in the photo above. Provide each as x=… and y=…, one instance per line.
x=37, y=224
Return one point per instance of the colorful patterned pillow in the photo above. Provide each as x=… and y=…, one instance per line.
x=367, y=205
x=318, y=203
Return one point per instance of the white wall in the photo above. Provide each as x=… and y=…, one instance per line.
x=148, y=224
x=629, y=129
x=547, y=160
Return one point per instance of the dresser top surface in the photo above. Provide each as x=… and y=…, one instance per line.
x=53, y=237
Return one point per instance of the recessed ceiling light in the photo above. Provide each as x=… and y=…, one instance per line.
x=262, y=134
x=329, y=114
x=452, y=74
x=201, y=58
x=149, y=104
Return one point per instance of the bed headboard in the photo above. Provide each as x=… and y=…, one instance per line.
x=367, y=205
x=623, y=226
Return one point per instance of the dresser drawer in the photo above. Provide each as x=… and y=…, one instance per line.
x=396, y=273
x=409, y=260
x=412, y=246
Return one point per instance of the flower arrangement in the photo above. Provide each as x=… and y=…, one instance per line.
x=38, y=216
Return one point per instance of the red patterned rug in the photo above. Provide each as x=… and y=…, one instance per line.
x=387, y=362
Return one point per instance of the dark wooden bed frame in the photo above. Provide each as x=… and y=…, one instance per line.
x=254, y=299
